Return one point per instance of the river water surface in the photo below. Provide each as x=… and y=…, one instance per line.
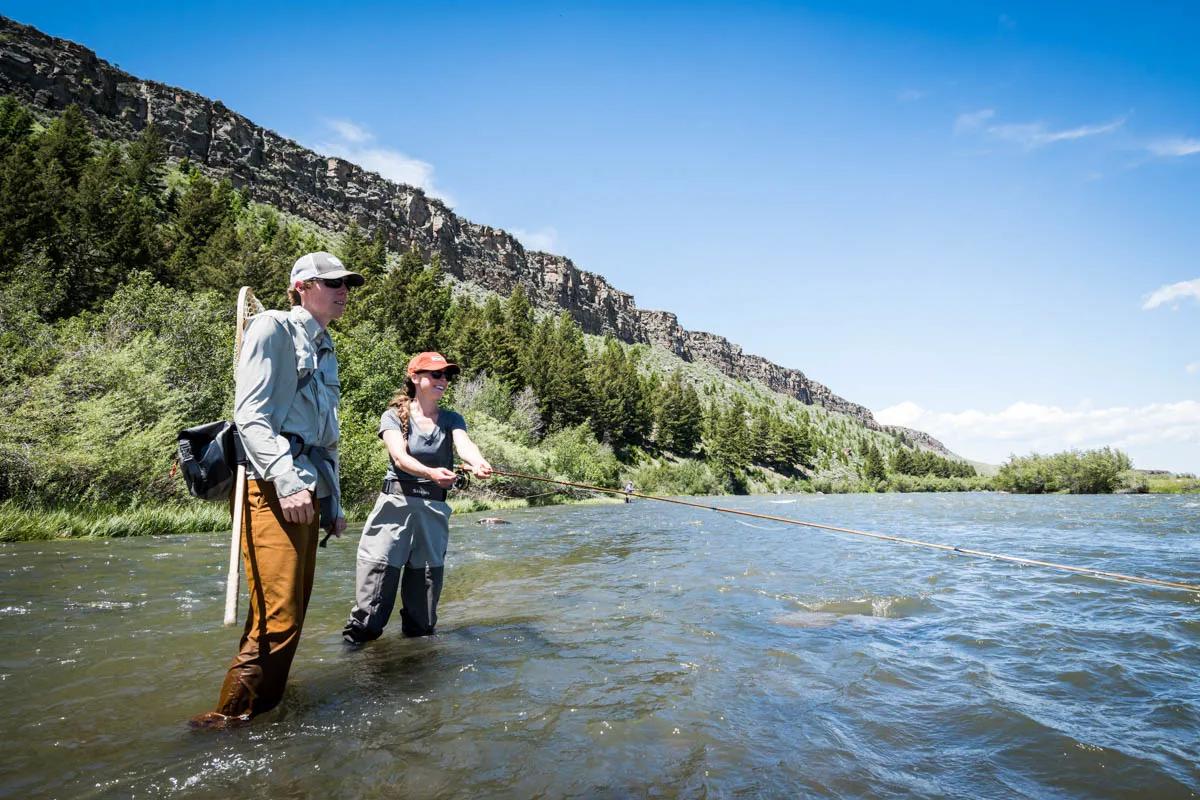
x=641, y=650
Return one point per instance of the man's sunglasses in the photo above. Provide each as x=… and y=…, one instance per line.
x=333, y=283
x=438, y=374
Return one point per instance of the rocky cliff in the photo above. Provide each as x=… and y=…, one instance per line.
x=50, y=74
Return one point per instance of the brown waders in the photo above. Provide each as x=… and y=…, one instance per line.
x=280, y=559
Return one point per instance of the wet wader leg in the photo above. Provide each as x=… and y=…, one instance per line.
x=280, y=561
x=420, y=590
x=374, y=597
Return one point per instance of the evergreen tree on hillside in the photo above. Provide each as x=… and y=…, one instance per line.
x=511, y=335
x=680, y=417
x=538, y=358
x=796, y=446
x=24, y=205
x=466, y=341
x=413, y=302
x=204, y=209
x=556, y=372
x=366, y=255
x=620, y=414
x=63, y=152
x=569, y=392
x=873, y=469
x=729, y=448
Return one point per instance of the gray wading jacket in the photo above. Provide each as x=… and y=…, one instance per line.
x=287, y=383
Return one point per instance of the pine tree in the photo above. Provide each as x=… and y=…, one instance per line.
x=570, y=391
x=619, y=411
x=680, y=416
x=873, y=469
x=466, y=337
x=510, y=338
x=730, y=451
x=902, y=461
x=412, y=301
x=366, y=255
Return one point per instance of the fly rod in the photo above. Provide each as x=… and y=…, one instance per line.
x=962, y=551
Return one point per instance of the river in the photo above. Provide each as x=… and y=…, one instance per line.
x=642, y=650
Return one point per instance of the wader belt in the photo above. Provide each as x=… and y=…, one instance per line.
x=424, y=491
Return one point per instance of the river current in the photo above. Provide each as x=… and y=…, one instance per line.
x=641, y=650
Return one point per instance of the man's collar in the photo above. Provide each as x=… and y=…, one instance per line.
x=313, y=328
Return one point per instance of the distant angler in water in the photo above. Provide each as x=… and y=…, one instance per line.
x=404, y=540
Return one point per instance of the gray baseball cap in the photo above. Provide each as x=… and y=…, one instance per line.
x=323, y=265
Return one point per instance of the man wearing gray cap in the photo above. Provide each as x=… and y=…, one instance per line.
x=285, y=407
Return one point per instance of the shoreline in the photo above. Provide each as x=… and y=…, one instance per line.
x=26, y=524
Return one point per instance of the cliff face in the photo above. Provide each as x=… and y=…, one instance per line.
x=50, y=74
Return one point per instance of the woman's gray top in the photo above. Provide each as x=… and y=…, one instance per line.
x=433, y=448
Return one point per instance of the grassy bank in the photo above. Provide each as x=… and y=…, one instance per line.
x=22, y=524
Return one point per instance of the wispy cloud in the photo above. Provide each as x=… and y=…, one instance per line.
x=544, y=239
x=1193, y=368
x=1029, y=135
x=1174, y=148
x=1173, y=293
x=349, y=132
x=972, y=120
x=1158, y=431
x=356, y=143
x=910, y=95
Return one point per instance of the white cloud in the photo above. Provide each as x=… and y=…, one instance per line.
x=1172, y=293
x=545, y=239
x=350, y=132
x=1174, y=148
x=910, y=95
x=1029, y=135
x=1193, y=368
x=1159, y=435
x=356, y=144
x=973, y=120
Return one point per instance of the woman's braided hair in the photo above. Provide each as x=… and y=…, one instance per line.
x=402, y=403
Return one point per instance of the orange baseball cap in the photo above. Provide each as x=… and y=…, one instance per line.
x=430, y=362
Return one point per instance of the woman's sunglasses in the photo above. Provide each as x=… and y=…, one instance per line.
x=437, y=375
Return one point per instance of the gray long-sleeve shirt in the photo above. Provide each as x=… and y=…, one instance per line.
x=279, y=350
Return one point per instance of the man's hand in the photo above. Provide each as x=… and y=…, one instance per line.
x=298, y=507
x=444, y=478
x=482, y=470
x=338, y=527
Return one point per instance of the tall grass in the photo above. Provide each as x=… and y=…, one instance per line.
x=23, y=523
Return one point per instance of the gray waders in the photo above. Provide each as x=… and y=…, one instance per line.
x=403, y=547
x=375, y=597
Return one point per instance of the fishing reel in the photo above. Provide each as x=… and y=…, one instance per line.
x=462, y=479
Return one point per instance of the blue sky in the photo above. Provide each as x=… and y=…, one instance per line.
x=978, y=219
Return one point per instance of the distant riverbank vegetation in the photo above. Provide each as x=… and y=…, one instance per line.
x=118, y=270
x=1093, y=472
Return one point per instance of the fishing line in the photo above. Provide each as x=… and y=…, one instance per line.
x=961, y=551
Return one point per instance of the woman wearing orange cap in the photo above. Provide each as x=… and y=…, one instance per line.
x=404, y=541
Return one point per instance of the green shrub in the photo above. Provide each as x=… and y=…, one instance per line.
x=682, y=478
x=575, y=455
